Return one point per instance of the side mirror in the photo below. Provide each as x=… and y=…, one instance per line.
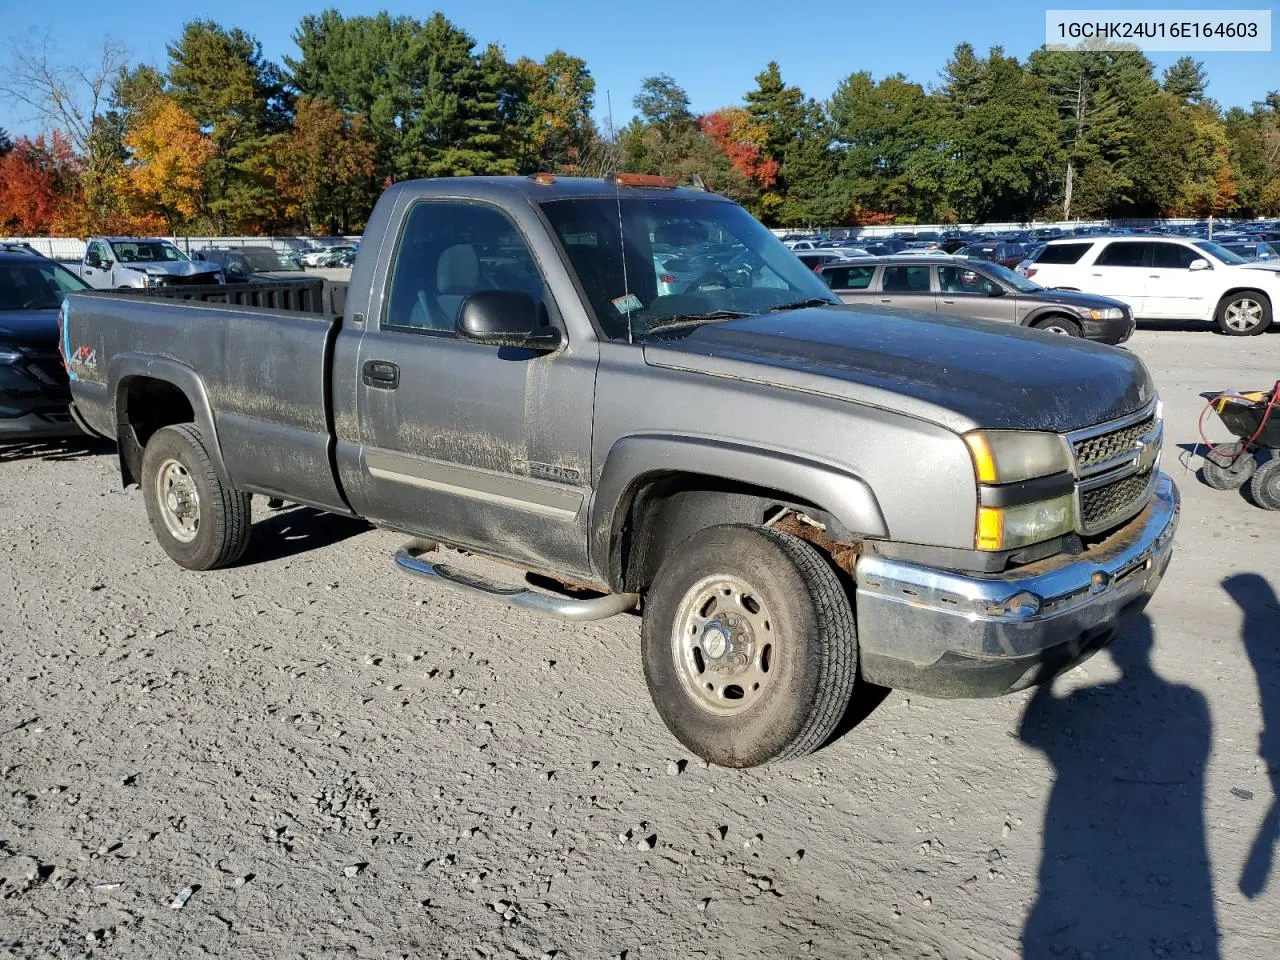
x=505, y=318
x=93, y=260
x=994, y=289
x=1200, y=263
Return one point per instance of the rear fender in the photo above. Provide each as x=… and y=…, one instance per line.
x=125, y=367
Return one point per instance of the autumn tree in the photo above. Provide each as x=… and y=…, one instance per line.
x=551, y=115
x=169, y=159
x=325, y=167
x=39, y=187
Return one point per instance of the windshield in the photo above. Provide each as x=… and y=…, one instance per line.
x=260, y=261
x=695, y=260
x=1219, y=251
x=146, y=251
x=36, y=286
x=1009, y=278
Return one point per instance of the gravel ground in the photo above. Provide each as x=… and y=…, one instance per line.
x=310, y=755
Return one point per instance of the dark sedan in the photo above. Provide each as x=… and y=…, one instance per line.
x=251, y=264
x=965, y=287
x=1005, y=253
x=34, y=390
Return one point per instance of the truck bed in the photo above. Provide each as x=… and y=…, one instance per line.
x=263, y=353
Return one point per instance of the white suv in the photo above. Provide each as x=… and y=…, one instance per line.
x=1166, y=278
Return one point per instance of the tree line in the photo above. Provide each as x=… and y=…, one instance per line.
x=221, y=140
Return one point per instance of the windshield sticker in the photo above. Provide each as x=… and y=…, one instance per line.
x=628, y=303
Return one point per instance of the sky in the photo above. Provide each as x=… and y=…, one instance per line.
x=713, y=48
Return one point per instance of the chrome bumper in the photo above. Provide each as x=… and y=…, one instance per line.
x=951, y=634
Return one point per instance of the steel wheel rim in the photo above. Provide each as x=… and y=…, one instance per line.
x=179, y=501
x=724, y=645
x=1244, y=314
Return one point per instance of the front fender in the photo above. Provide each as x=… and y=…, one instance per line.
x=631, y=460
x=125, y=367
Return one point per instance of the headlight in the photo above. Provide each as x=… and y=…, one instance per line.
x=1006, y=528
x=1004, y=457
x=1007, y=456
x=1110, y=313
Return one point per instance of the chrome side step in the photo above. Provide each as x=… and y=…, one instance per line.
x=410, y=559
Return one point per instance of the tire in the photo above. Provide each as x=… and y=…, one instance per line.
x=1063, y=326
x=202, y=522
x=786, y=642
x=1245, y=313
x=1221, y=473
x=1265, y=485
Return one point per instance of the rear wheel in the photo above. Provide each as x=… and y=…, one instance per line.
x=749, y=646
x=200, y=520
x=1223, y=470
x=1244, y=314
x=1063, y=326
x=1265, y=486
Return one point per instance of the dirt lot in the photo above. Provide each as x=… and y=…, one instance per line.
x=336, y=761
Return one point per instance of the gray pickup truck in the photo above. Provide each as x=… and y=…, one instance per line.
x=798, y=495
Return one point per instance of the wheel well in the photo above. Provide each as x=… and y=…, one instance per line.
x=143, y=406
x=1036, y=319
x=1234, y=290
x=663, y=510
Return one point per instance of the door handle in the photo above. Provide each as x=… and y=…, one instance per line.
x=1095, y=274
x=382, y=374
x=886, y=299
x=1153, y=276
x=948, y=300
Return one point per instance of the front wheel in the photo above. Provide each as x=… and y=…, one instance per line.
x=749, y=646
x=1244, y=314
x=1062, y=326
x=200, y=520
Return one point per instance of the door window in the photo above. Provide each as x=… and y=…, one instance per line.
x=97, y=253
x=905, y=280
x=1172, y=256
x=1124, y=253
x=1062, y=253
x=962, y=280
x=449, y=250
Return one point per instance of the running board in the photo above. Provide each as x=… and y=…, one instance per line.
x=411, y=560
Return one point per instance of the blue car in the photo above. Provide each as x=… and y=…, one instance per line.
x=34, y=390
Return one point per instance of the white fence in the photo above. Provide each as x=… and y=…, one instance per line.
x=72, y=248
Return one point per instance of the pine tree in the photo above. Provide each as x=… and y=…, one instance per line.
x=1186, y=80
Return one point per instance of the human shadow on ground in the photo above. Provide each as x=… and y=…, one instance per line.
x=296, y=530
x=1125, y=868
x=1261, y=637
x=71, y=448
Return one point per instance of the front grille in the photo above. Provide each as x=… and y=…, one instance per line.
x=194, y=280
x=1114, y=501
x=1107, y=446
x=45, y=367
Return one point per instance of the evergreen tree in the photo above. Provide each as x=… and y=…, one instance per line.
x=1186, y=80
x=6, y=144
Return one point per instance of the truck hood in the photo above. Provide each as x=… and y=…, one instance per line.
x=29, y=328
x=173, y=268
x=958, y=373
x=1269, y=265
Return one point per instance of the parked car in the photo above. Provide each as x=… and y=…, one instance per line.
x=34, y=391
x=251, y=264
x=1001, y=252
x=323, y=256
x=963, y=287
x=1167, y=278
x=1251, y=249
x=816, y=258
x=742, y=458
x=124, y=263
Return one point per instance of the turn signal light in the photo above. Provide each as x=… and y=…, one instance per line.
x=546, y=179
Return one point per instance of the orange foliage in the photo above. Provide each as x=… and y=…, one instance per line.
x=38, y=186
x=169, y=157
x=741, y=140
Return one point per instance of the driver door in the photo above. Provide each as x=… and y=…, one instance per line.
x=964, y=291
x=472, y=444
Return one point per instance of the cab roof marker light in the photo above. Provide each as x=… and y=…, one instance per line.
x=643, y=180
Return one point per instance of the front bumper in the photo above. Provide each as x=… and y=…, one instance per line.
x=950, y=634
x=1112, y=332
